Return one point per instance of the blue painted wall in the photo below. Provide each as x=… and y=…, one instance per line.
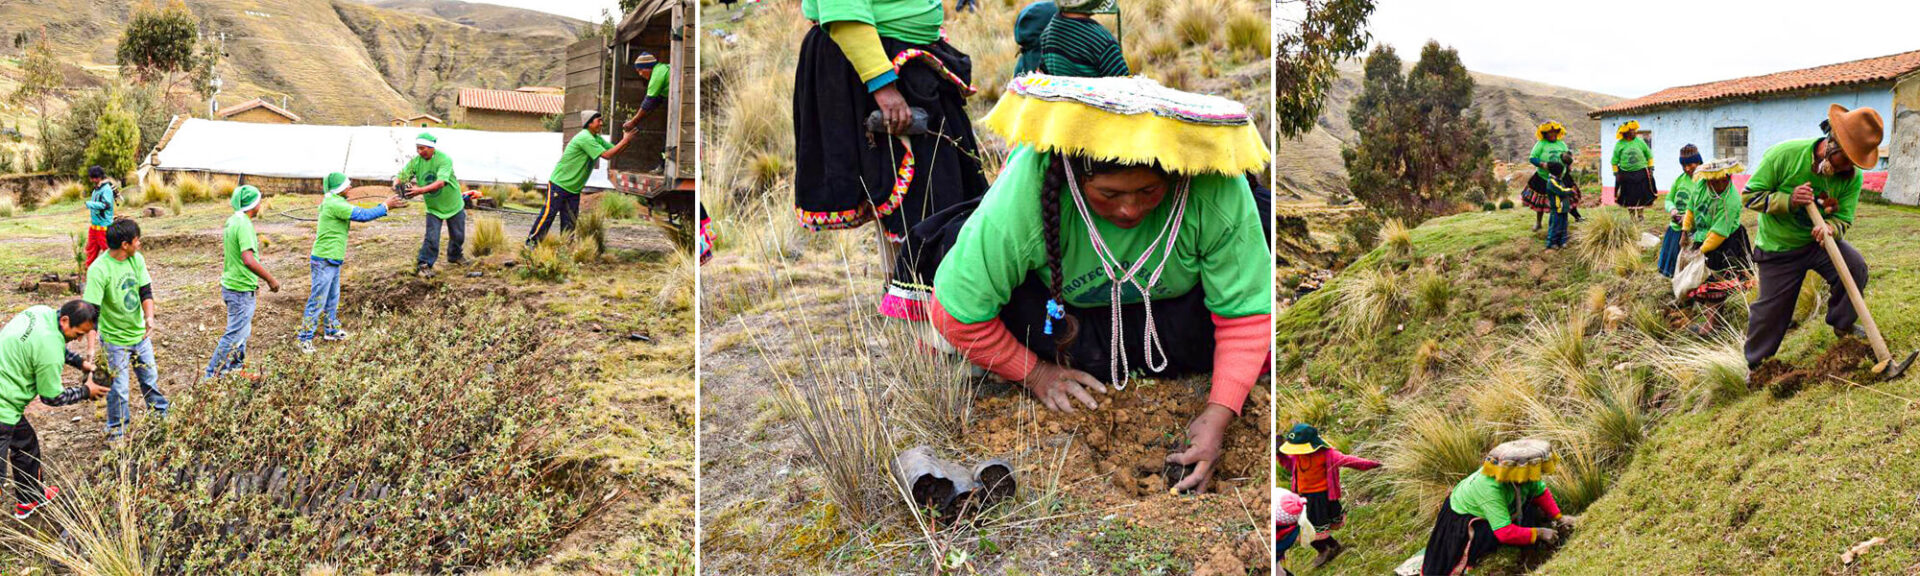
x=1768, y=122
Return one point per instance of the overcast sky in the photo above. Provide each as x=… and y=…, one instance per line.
x=1631, y=48
x=588, y=10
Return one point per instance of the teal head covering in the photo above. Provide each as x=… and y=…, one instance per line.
x=245, y=198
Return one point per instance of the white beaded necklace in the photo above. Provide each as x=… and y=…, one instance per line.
x=1118, y=370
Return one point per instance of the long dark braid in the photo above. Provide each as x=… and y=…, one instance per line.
x=1067, y=328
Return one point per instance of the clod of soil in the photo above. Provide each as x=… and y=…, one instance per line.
x=1849, y=358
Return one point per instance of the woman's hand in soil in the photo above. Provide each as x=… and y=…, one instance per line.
x=1204, y=436
x=894, y=107
x=1057, y=386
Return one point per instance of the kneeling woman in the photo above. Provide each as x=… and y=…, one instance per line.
x=1120, y=236
x=1505, y=503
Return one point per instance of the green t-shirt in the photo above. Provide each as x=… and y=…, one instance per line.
x=1718, y=213
x=1680, y=196
x=1784, y=167
x=32, y=354
x=1631, y=155
x=913, y=21
x=330, y=233
x=446, y=201
x=659, y=81
x=114, y=286
x=1220, y=245
x=1544, y=152
x=239, y=238
x=578, y=159
x=1480, y=496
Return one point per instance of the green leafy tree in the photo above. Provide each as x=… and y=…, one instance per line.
x=1421, y=153
x=40, y=75
x=1327, y=32
x=203, y=69
x=158, y=42
x=64, y=141
x=116, y=142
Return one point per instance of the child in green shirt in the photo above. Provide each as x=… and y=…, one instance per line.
x=120, y=286
x=240, y=278
x=329, y=254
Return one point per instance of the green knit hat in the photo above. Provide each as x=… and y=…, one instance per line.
x=245, y=198
x=425, y=139
x=335, y=183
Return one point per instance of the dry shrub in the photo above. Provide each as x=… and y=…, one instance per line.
x=550, y=260
x=489, y=236
x=97, y=530
x=1433, y=451
x=6, y=207
x=1369, y=298
x=1195, y=20
x=591, y=230
x=1396, y=239
x=1247, y=32
x=190, y=189
x=619, y=206
x=71, y=191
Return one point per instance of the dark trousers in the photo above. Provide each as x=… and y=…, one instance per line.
x=1184, y=324
x=1556, y=229
x=1780, y=276
x=562, y=206
x=456, y=236
x=23, y=451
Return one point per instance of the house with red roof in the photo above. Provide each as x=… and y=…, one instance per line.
x=520, y=110
x=1740, y=118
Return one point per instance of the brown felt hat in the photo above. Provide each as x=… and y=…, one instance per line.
x=1858, y=132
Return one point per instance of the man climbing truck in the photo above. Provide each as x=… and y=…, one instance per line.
x=33, y=345
x=648, y=94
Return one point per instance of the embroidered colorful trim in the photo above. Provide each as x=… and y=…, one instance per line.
x=903, y=176
x=841, y=220
x=1133, y=95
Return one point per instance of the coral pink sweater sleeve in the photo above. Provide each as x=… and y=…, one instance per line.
x=988, y=344
x=1240, y=354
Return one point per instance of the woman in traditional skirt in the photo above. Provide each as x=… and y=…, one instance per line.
x=883, y=58
x=1713, y=219
x=1679, y=199
x=1289, y=523
x=1632, y=171
x=1505, y=503
x=1548, y=148
x=1120, y=237
x=1313, y=468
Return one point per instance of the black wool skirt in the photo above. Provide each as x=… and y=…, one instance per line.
x=843, y=175
x=1633, y=189
x=1457, y=543
x=1326, y=513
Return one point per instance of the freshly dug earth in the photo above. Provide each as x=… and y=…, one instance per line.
x=1849, y=358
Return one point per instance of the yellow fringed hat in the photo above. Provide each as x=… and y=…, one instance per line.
x=1132, y=120
x=1541, y=132
x=1520, y=461
x=1718, y=168
x=1630, y=126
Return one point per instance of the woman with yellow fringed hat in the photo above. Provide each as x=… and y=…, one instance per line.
x=1550, y=146
x=1713, y=219
x=1632, y=171
x=1120, y=237
x=1505, y=503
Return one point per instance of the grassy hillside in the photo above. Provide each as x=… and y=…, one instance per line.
x=1309, y=167
x=1470, y=334
x=336, y=62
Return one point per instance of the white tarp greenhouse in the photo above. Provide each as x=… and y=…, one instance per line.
x=362, y=152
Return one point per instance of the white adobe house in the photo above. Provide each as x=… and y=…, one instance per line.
x=1742, y=117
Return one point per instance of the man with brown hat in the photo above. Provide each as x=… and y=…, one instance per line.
x=1791, y=175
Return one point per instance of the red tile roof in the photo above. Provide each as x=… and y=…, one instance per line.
x=510, y=101
x=1870, y=70
x=256, y=103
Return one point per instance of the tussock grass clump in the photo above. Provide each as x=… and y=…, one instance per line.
x=191, y=189
x=1432, y=293
x=1617, y=421
x=1397, y=239
x=1433, y=451
x=155, y=194
x=71, y=191
x=1555, y=350
x=1629, y=263
x=1580, y=481
x=585, y=253
x=98, y=529
x=177, y=203
x=1247, y=32
x=550, y=260
x=223, y=187
x=489, y=236
x=1502, y=396
x=1710, y=372
x=500, y=195
x=619, y=206
x=1196, y=20
x=6, y=207
x=1369, y=298
x=591, y=229
x=1304, y=406
x=1608, y=231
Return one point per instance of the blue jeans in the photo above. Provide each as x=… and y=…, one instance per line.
x=136, y=360
x=456, y=235
x=324, y=299
x=1556, y=229
x=231, y=352
x=1669, y=252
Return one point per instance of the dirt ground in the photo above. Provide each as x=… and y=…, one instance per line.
x=607, y=304
x=1096, y=477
